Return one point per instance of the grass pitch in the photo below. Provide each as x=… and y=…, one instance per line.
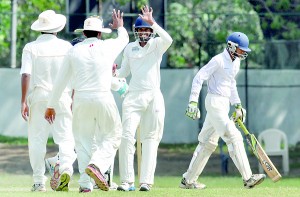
x=165, y=186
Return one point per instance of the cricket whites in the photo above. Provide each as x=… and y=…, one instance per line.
x=258, y=151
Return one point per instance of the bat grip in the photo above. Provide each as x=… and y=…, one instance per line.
x=242, y=126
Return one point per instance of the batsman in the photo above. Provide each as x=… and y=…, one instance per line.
x=220, y=74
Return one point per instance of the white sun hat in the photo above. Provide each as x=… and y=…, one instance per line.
x=93, y=23
x=49, y=22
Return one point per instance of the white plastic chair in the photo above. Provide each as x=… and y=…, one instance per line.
x=275, y=143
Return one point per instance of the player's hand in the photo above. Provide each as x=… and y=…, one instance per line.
x=192, y=111
x=24, y=111
x=147, y=15
x=117, y=17
x=240, y=113
x=50, y=115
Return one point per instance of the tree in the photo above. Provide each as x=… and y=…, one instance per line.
x=28, y=11
x=280, y=24
x=5, y=32
x=279, y=19
x=200, y=27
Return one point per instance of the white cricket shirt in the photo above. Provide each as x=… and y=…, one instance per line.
x=220, y=74
x=89, y=66
x=144, y=62
x=42, y=59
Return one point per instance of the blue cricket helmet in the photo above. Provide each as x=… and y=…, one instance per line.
x=240, y=39
x=139, y=23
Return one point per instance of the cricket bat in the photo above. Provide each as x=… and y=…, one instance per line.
x=259, y=152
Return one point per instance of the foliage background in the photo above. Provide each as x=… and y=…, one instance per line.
x=199, y=27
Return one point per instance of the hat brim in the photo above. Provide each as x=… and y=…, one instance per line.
x=104, y=30
x=60, y=22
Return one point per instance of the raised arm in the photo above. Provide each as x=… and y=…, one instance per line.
x=165, y=40
x=119, y=43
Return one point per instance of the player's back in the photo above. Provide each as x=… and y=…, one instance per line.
x=92, y=69
x=47, y=54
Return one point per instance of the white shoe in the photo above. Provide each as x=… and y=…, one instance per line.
x=126, y=187
x=113, y=186
x=54, y=181
x=254, y=180
x=84, y=190
x=145, y=187
x=38, y=188
x=194, y=185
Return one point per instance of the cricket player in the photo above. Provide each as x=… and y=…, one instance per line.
x=41, y=61
x=52, y=164
x=220, y=74
x=89, y=67
x=144, y=104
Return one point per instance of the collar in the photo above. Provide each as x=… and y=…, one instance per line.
x=227, y=55
x=92, y=39
x=46, y=37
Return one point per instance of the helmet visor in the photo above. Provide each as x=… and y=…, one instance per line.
x=143, y=34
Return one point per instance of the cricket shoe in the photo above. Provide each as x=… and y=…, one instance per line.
x=96, y=186
x=50, y=164
x=125, y=186
x=107, y=178
x=54, y=181
x=194, y=185
x=64, y=181
x=94, y=172
x=84, y=190
x=112, y=186
x=145, y=187
x=254, y=180
x=38, y=188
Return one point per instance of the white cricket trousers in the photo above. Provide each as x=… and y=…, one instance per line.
x=38, y=133
x=218, y=124
x=97, y=131
x=147, y=109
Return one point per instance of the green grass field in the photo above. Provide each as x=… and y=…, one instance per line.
x=19, y=186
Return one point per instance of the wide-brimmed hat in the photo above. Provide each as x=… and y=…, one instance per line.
x=49, y=22
x=94, y=23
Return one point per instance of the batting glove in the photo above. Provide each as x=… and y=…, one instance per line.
x=192, y=110
x=240, y=113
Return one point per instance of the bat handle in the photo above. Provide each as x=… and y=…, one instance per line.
x=242, y=126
